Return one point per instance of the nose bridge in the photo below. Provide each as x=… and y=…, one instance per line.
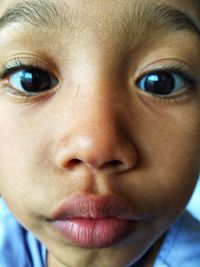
x=101, y=130
x=98, y=96
x=101, y=108
x=96, y=136
x=99, y=124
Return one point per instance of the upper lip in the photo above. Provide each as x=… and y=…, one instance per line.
x=94, y=207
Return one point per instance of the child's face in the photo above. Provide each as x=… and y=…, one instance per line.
x=113, y=137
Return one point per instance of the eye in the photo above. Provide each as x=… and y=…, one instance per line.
x=32, y=80
x=162, y=83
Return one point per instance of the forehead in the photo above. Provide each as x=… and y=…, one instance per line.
x=118, y=23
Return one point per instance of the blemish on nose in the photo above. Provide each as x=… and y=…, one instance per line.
x=77, y=91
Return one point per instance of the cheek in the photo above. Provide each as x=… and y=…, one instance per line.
x=20, y=153
x=172, y=145
x=169, y=163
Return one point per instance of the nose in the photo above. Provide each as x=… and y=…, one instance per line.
x=95, y=135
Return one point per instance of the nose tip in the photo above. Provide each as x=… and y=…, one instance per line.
x=98, y=151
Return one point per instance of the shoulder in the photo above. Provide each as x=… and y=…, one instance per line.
x=182, y=244
x=18, y=247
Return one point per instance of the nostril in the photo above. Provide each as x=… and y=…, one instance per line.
x=115, y=163
x=109, y=164
x=72, y=163
x=112, y=164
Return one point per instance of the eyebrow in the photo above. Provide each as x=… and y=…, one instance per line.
x=155, y=16
x=37, y=13
x=145, y=15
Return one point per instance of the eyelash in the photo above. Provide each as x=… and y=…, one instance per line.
x=179, y=69
x=17, y=64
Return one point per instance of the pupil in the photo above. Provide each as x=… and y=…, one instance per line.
x=160, y=83
x=35, y=80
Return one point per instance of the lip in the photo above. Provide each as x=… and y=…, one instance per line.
x=94, y=221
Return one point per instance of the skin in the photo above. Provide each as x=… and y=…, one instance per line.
x=67, y=140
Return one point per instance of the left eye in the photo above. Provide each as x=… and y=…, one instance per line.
x=162, y=83
x=32, y=80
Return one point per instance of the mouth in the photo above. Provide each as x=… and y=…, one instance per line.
x=94, y=221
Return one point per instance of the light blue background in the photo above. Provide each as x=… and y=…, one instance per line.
x=194, y=204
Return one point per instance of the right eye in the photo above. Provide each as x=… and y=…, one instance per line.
x=33, y=80
x=162, y=83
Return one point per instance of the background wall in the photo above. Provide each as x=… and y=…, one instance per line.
x=194, y=204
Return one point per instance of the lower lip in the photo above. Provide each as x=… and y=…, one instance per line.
x=94, y=233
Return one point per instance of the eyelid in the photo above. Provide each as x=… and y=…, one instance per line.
x=26, y=62
x=186, y=71
x=187, y=76
x=177, y=67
